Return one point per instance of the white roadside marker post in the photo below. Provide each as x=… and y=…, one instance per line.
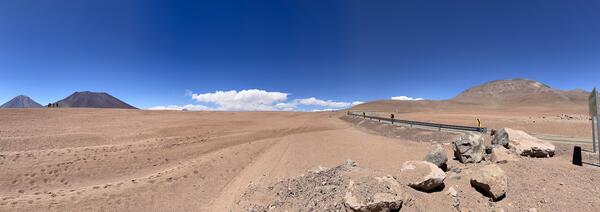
x=598, y=136
x=594, y=108
x=594, y=133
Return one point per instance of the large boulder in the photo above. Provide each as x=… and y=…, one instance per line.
x=491, y=181
x=437, y=156
x=525, y=144
x=382, y=195
x=422, y=175
x=469, y=149
x=502, y=155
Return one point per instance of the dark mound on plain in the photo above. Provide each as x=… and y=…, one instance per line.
x=21, y=101
x=87, y=99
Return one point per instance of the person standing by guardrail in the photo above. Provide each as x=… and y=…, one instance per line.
x=392, y=117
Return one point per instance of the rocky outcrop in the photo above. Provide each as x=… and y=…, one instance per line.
x=491, y=181
x=469, y=149
x=422, y=175
x=524, y=144
x=437, y=156
x=361, y=197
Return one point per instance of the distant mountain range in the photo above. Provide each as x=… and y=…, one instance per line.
x=85, y=99
x=498, y=94
x=21, y=101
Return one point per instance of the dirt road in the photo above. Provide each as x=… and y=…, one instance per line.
x=137, y=160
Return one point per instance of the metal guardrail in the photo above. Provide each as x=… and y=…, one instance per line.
x=427, y=124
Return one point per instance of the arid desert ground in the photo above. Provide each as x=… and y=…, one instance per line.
x=135, y=160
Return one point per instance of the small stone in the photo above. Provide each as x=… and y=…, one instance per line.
x=532, y=210
x=351, y=163
x=452, y=191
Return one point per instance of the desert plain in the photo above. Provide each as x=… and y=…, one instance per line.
x=136, y=160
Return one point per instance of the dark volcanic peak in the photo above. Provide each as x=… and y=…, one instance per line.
x=21, y=101
x=90, y=99
x=518, y=91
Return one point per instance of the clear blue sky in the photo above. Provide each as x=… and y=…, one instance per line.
x=148, y=53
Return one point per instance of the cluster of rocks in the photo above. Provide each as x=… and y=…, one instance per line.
x=507, y=145
x=346, y=187
x=351, y=188
x=523, y=143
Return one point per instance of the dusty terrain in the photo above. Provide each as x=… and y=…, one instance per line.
x=134, y=160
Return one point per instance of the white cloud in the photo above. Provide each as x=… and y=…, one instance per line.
x=357, y=103
x=323, y=110
x=286, y=106
x=244, y=100
x=187, y=107
x=255, y=100
x=406, y=98
x=317, y=102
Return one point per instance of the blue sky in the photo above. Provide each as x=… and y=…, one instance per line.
x=159, y=53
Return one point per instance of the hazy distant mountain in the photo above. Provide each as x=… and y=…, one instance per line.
x=93, y=100
x=21, y=101
x=495, y=94
x=519, y=92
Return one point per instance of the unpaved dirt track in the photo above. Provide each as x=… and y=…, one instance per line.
x=90, y=159
x=134, y=160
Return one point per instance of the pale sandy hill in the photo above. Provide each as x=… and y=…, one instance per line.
x=499, y=95
x=519, y=92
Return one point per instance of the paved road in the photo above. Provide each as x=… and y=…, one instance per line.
x=550, y=138
x=564, y=140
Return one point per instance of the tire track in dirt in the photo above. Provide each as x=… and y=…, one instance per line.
x=207, y=150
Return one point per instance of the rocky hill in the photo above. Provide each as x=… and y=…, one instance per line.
x=496, y=94
x=519, y=92
x=21, y=101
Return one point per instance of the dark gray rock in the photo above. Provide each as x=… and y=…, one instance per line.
x=469, y=149
x=437, y=155
x=501, y=138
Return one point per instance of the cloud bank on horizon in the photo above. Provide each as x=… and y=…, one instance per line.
x=406, y=98
x=255, y=100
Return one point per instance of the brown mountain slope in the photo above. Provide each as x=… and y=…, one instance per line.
x=519, y=92
x=497, y=95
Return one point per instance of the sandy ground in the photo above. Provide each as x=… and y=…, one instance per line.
x=134, y=160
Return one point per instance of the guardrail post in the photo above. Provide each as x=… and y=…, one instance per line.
x=594, y=134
